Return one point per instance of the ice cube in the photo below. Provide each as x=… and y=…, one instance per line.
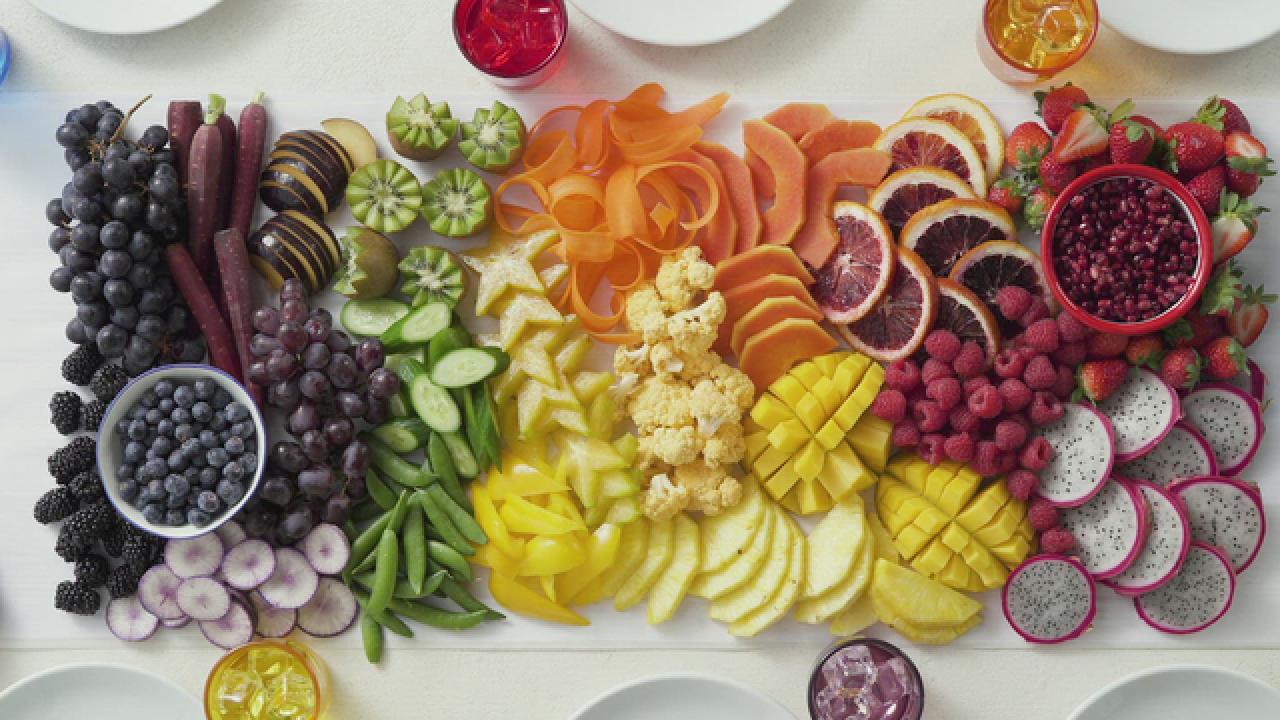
x=489, y=47
x=894, y=681
x=851, y=669
x=541, y=32
x=507, y=15
x=292, y=695
x=268, y=662
x=235, y=691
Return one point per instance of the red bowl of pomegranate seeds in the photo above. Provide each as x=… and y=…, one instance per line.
x=1126, y=249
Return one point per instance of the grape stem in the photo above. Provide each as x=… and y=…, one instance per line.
x=125, y=123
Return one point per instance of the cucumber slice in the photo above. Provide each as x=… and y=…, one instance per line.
x=464, y=460
x=446, y=341
x=371, y=318
x=418, y=327
x=434, y=405
x=404, y=435
x=406, y=367
x=467, y=366
x=398, y=405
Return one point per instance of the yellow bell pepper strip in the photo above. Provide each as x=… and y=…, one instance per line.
x=590, y=595
x=526, y=480
x=602, y=550
x=523, y=516
x=552, y=555
x=491, y=557
x=516, y=597
x=494, y=527
x=562, y=505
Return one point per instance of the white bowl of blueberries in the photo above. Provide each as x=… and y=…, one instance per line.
x=181, y=450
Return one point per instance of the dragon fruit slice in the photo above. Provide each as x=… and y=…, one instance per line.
x=1050, y=599
x=1110, y=530
x=1082, y=444
x=1252, y=381
x=1183, y=453
x=1142, y=411
x=1166, y=547
x=1196, y=598
x=1230, y=419
x=1227, y=514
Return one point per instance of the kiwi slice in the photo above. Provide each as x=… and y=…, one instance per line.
x=384, y=196
x=494, y=139
x=368, y=265
x=420, y=129
x=457, y=203
x=432, y=274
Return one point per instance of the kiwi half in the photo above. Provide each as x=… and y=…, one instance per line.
x=457, y=203
x=420, y=129
x=494, y=139
x=432, y=274
x=384, y=196
x=368, y=267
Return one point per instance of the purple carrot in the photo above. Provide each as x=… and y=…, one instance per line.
x=237, y=298
x=185, y=116
x=244, y=191
x=222, y=350
x=227, y=128
x=204, y=183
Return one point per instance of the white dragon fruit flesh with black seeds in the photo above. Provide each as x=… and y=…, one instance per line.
x=1196, y=598
x=1082, y=455
x=1142, y=411
x=1110, y=530
x=1230, y=419
x=1227, y=514
x=1050, y=599
x=1168, y=541
x=1183, y=453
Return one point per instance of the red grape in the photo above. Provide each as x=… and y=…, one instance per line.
x=314, y=385
x=370, y=354
x=304, y=417
x=266, y=319
x=383, y=383
x=292, y=337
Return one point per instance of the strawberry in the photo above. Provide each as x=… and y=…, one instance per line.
x=1193, y=330
x=1145, y=351
x=1207, y=188
x=1097, y=379
x=1005, y=194
x=1181, y=368
x=1057, y=103
x=1084, y=134
x=1234, y=227
x=1106, y=345
x=1247, y=163
x=1224, y=358
x=1223, y=290
x=1195, y=147
x=1055, y=175
x=1037, y=207
x=1026, y=145
x=1131, y=141
x=1246, y=321
x=1222, y=115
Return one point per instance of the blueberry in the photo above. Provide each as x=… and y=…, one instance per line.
x=162, y=446
x=204, y=388
x=122, y=427
x=184, y=432
x=221, y=398
x=164, y=388
x=153, y=513
x=126, y=471
x=154, y=416
x=166, y=405
x=154, y=469
x=177, y=461
x=175, y=518
x=192, y=474
x=208, y=478
x=217, y=457
x=202, y=412
x=176, y=501
x=137, y=412
x=149, y=399
x=236, y=412
x=198, y=517
x=128, y=490
x=137, y=430
x=230, y=491
x=184, y=396
x=209, y=501
x=233, y=471
x=218, y=423
x=191, y=447
x=249, y=461
x=242, y=429
x=176, y=484
x=165, y=428
x=180, y=415
x=234, y=445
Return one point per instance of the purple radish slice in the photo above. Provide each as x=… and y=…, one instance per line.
x=1227, y=514
x=1196, y=598
x=231, y=533
x=1166, y=547
x=330, y=612
x=128, y=620
x=176, y=623
x=203, y=598
x=1082, y=444
x=273, y=622
x=1230, y=419
x=1142, y=411
x=231, y=630
x=1050, y=599
x=249, y=564
x=158, y=592
x=327, y=548
x=195, y=557
x=1110, y=530
x=293, y=583
x=1182, y=453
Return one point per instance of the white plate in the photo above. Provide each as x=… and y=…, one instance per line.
x=681, y=22
x=683, y=697
x=1194, y=27
x=100, y=692
x=123, y=17
x=1182, y=692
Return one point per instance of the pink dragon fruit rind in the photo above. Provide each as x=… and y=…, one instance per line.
x=1126, y=587
x=1011, y=586
x=1056, y=498
x=1249, y=491
x=1153, y=438
x=1257, y=382
x=1135, y=503
x=1238, y=466
x=1222, y=558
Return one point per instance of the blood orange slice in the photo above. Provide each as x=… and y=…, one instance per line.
x=909, y=190
x=859, y=270
x=924, y=141
x=999, y=263
x=970, y=117
x=895, y=328
x=964, y=314
x=943, y=232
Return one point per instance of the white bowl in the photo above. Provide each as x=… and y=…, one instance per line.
x=111, y=450
x=679, y=696
x=1182, y=692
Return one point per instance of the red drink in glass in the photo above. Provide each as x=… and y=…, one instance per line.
x=517, y=43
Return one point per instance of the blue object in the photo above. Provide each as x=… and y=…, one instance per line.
x=6, y=55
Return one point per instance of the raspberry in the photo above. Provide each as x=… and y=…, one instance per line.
x=1042, y=335
x=970, y=361
x=1070, y=329
x=972, y=384
x=1010, y=364
x=963, y=419
x=905, y=434
x=959, y=447
x=1027, y=353
x=890, y=405
x=945, y=391
x=1106, y=345
x=902, y=375
x=986, y=402
x=932, y=448
x=1071, y=353
x=929, y=417
x=1036, y=311
x=1037, y=454
x=934, y=369
x=1058, y=540
x=1040, y=373
x=1010, y=435
x=1045, y=408
x=1022, y=484
x=942, y=344
x=985, y=458
x=1065, y=384
x=1043, y=515
x=1006, y=462
x=1013, y=301
x=1015, y=394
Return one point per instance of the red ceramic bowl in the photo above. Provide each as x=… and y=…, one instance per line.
x=1204, y=243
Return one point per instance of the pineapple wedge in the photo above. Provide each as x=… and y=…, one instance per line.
x=924, y=603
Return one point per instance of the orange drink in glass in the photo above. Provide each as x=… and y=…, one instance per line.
x=1024, y=41
x=268, y=680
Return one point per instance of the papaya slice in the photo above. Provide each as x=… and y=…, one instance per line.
x=739, y=300
x=859, y=166
x=788, y=166
x=796, y=120
x=740, y=193
x=759, y=262
x=766, y=315
x=837, y=135
x=718, y=239
x=770, y=353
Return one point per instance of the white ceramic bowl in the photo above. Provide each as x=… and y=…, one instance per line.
x=111, y=450
x=1183, y=692
x=680, y=696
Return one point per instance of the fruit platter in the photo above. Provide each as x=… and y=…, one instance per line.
x=641, y=371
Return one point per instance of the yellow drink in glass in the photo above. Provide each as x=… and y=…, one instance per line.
x=1024, y=41
x=268, y=680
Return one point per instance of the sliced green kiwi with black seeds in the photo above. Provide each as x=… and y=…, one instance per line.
x=494, y=139
x=384, y=196
x=420, y=129
x=368, y=267
x=432, y=274
x=457, y=203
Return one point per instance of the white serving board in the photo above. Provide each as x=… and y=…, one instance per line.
x=32, y=346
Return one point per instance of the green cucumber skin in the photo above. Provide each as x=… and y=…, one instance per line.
x=408, y=331
x=476, y=366
x=434, y=405
x=464, y=457
x=358, y=316
x=446, y=341
x=403, y=435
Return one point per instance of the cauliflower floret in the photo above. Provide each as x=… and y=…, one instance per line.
x=665, y=359
x=694, y=330
x=725, y=447
x=676, y=445
x=710, y=490
x=632, y=361
x=646, y=314
x=664, y=499
x=734, y=384
x=659, y=403
x=712, y=408
x=697, y=365
x=680, y=280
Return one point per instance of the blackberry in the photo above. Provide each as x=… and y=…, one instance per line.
x=69, y=547
x=87, y=487
x=76, y=598
x=91, y=414
x=74, y=457
x=113, y=539
x=108, y=381
x=122, y=581
x=92, y=571
x=89, y=523
x=138, y=553
x=64, y=412
x=55, y=505
x=78, y=367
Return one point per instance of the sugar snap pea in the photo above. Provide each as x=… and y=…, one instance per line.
x=442, y=462
x=441, y=522
x=401, y=510
x=414, y=538
x=395, y=467
x=362, y=547
x=382, y=495
x=371, y=635
x=386, y=618
x=385, y=569
x=462, y=520
x=364, y=512
x=450, y=559
x=435, y=617
x=464, y=599
x=435, y=577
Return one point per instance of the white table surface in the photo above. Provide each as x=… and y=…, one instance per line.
x=817, y=49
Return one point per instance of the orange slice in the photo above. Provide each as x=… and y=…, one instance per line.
x=924, y=141
x=944, y=231
x=970, y=117
x=999, y=263
x=964, y=314
x=857, y=273
x=896, y=327
x=909, y=190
